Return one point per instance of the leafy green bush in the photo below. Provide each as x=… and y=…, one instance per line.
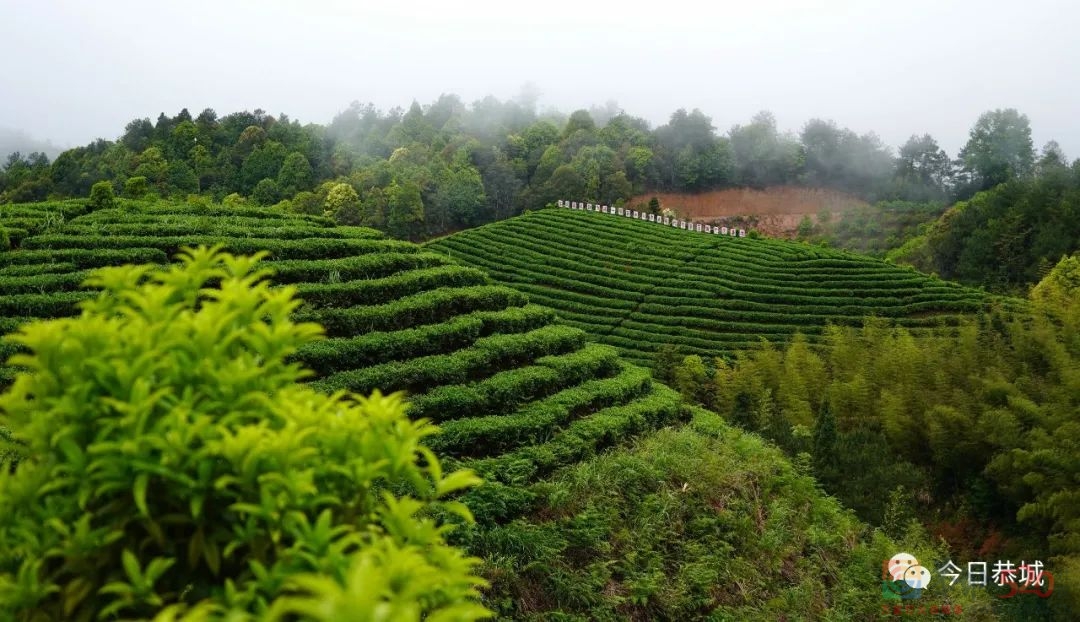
x=219, y=227
x=307, y=203
x=425, y=308
x=234, y=200
x=43, y=282
x=280, y=249
x=376, y=291
x=59, y=304
x=81, y=257
x=136, y=187
x=102, y=196
x=172, y=466
x=153, y=212
x=507, y=390
x=368, y=266
x=372, y=348
x=266, y=192
x=481, y=358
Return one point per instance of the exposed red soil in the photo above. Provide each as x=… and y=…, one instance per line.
x=775, y=211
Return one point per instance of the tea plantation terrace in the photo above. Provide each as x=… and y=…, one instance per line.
x=516, y=393
x=637, y=285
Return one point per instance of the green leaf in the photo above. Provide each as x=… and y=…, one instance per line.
x=131, y=567
x=458, y=480
x=212, y=555
x=195, y=548
x=142, y=480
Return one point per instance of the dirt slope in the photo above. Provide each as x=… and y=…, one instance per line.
x=775, y=211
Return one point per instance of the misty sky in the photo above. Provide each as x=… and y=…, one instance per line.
x=74, y=71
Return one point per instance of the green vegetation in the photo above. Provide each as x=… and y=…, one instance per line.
x=1008, y=237
x=397, y=317
x=102, y=196
x=579, y=482
x=434, y=169
x=437, y=169
x=170, y=466
x=640, y=286
x=699, y=522
x=976, y=432
x=195, y=442
x=874, y=230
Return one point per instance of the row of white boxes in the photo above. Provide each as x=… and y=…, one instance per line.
x=666, y=221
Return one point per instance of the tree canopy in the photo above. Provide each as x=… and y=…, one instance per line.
x=493, y=159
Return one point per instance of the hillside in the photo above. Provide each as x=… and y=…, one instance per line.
x=637, y=285
x=776, y=211
x=527, y=402
x=397, y=318
x=1006, y=238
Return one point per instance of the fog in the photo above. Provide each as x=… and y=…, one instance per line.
x=74, y=71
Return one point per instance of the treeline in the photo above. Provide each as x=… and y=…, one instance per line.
x=1016, y=214
x=1008, y=237
x=435, y=168
x=974, y=433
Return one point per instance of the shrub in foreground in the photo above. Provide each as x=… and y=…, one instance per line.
x=170, y=465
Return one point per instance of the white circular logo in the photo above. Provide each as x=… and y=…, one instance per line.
x=898, y=565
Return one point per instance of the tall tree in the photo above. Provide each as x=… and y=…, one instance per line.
x=826, y=447
x=501, y=185
x=459, y=198
x=152, y=165
x=999, y=147
x=295, y=174
x=343, y=204
x=923, y=169
x=691, y=156
x=580, y=120
x=405, y=210
x=762, y=155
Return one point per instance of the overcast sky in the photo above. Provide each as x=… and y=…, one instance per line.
x=77, y=70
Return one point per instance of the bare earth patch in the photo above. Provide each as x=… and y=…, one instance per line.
x=775, y=211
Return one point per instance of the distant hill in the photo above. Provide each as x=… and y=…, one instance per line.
x=18, y=140
x=638, y=285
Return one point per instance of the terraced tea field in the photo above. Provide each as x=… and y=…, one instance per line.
x=516, y=394
x=638, y=285
x=565, y=530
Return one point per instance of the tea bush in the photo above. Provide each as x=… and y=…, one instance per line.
x=170, y=465
x=638, y=286
x=102, y=196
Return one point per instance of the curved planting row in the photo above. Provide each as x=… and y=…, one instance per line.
x=511, y=386
x=637, y=286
